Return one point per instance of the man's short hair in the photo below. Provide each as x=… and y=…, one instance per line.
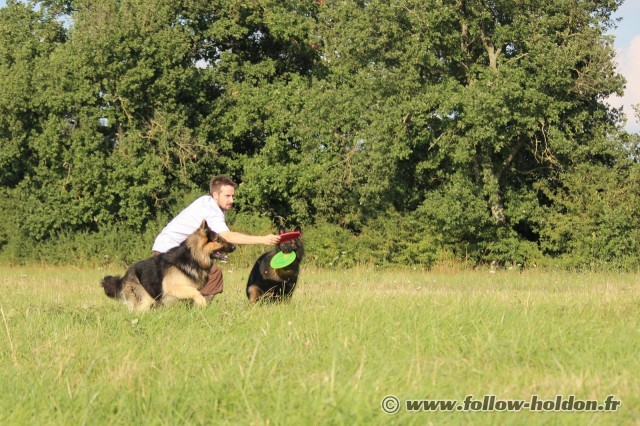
x=219, y=181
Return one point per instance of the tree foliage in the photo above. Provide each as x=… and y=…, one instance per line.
x=406, y=130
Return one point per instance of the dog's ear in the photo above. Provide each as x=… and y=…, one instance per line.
x=203, y=225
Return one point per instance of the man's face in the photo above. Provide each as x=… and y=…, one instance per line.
x=224, y=197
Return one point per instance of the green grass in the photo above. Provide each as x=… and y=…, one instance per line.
x=70, y=355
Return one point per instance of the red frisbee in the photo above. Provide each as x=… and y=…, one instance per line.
x=288, y=236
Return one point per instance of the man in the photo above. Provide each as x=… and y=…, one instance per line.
x=211, y=207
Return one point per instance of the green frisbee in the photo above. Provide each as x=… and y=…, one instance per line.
x=282, y=259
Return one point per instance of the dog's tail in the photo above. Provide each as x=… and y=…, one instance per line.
x=112, y=286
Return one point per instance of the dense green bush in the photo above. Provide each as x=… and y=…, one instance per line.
x=594, y=221
x=329, y=245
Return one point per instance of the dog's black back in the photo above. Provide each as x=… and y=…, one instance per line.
x=275, y=284
x=150, y=272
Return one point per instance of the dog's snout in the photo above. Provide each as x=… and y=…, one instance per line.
x=287, y=247
x=231, y=248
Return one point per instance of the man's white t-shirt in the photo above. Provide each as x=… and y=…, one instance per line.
x=188, y=221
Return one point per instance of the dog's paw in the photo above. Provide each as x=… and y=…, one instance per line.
x=200, y=301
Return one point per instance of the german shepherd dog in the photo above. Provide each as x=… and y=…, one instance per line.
x=177, y=274
x=275, y=284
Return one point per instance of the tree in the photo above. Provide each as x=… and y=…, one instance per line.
x=27, y=38
x=522, y=101
x=339, y=154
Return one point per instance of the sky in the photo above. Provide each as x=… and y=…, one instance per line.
x=627, y=44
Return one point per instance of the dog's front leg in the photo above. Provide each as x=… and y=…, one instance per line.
x=254, y=293
x=181, y=290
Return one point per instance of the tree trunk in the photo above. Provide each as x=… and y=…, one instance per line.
x=491, y=185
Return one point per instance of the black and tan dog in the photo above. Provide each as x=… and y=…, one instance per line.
x=275, y=284
x=175, y=275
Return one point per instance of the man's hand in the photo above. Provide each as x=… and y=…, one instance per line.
x=271, y=240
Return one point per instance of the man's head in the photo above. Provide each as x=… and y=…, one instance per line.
x=222, y=190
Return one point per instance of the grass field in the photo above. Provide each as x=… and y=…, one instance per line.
x=69, y=355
